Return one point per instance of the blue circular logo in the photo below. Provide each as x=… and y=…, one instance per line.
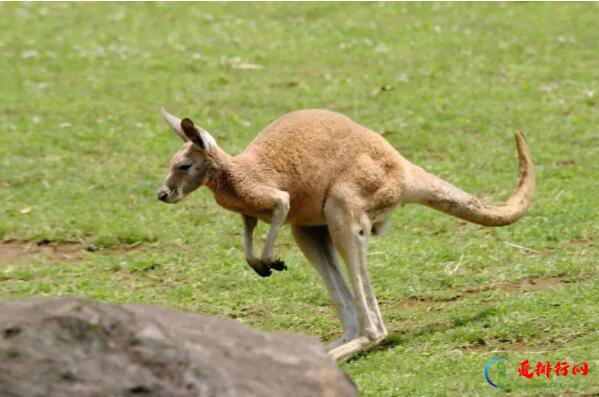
x=501, y=378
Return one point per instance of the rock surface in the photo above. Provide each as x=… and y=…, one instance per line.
x=74, y=347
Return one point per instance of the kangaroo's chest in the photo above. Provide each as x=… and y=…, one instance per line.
x=246, y=207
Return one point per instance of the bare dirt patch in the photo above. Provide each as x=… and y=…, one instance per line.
x=580, y=241
x=412, y=302
x=538, y=345
x=527, y=284
x=13, y=251
x=533, y=284
x=494, y=346
x=17, y=250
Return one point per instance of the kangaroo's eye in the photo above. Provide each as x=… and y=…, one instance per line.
x=184, y=167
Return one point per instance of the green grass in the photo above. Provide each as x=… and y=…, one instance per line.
x=82, y=146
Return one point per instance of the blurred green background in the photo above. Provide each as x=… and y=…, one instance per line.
x=83, y=148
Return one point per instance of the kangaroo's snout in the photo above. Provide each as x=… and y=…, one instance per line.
x=166, y=195
x=162, y=195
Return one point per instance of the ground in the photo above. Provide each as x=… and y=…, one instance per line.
x=83, y=148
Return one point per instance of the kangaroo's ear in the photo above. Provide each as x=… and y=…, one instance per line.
x=174, y=123
x=192, y=132
x=188, y=131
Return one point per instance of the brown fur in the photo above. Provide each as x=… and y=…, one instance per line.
x=314, y=168
x=306, y=154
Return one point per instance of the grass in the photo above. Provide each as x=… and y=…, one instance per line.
x=82, y=149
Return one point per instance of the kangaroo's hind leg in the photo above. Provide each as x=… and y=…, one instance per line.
x=350, y=229
x=315, y=243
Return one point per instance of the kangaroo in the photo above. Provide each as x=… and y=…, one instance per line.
x=336, y=183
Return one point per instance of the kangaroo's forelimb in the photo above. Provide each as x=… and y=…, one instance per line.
x=249, y=224
x=266, y=262
x=279, y=214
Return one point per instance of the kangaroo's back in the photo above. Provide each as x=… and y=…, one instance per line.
x=321, y=140
x=307, y=152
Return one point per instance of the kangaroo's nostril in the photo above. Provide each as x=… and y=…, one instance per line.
x=162, y=196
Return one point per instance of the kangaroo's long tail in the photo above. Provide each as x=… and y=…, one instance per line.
x=427, y=189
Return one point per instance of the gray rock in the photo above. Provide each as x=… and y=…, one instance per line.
x=73, y=347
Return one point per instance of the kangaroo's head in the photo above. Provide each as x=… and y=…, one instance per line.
x=191, y=165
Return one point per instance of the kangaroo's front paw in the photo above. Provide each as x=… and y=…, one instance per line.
x=263, y=271
x=278, y=265
x=259, y=267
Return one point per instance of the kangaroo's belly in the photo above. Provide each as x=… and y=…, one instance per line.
x=306, y=210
